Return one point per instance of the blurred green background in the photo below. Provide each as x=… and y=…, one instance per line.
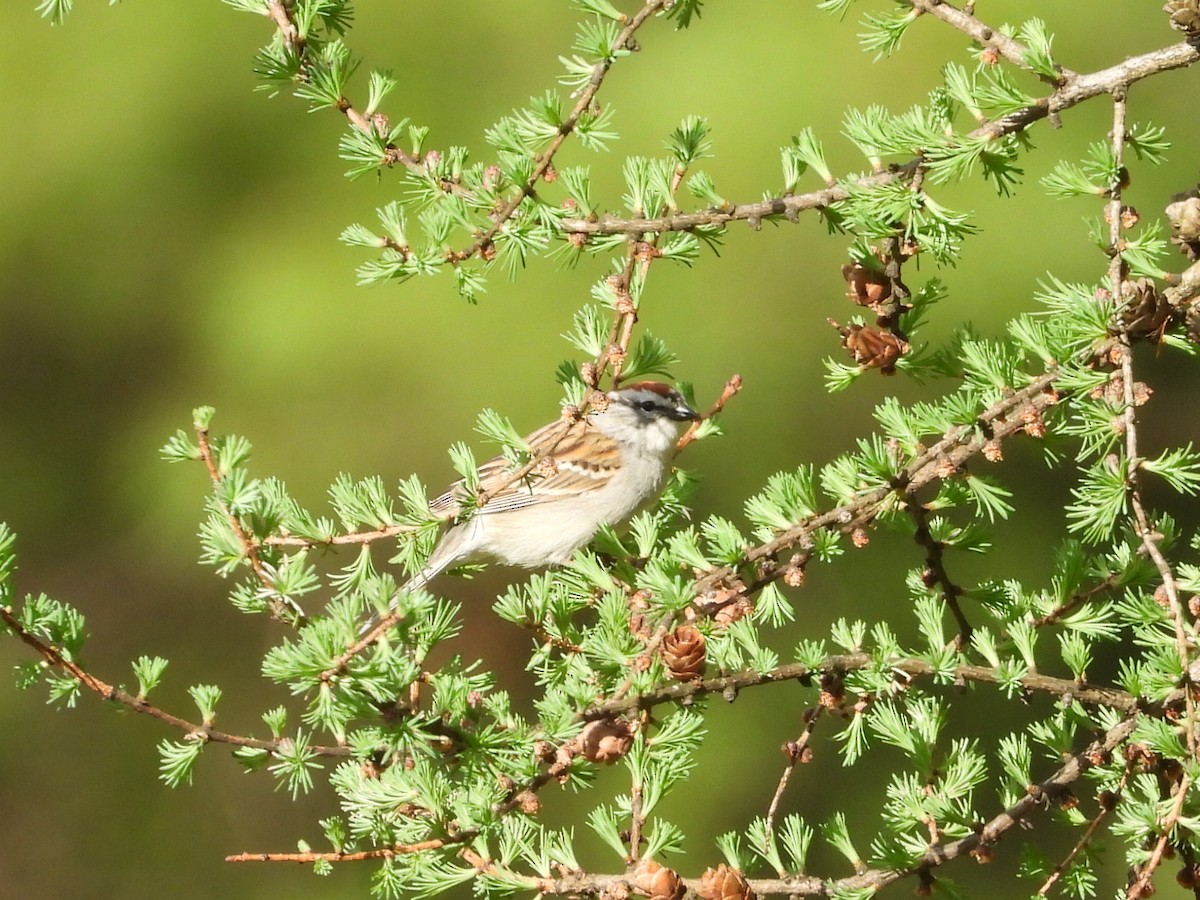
x=168, y=239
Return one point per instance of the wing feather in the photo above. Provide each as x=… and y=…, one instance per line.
x=575, y=459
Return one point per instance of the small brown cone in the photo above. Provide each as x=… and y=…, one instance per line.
x=1146, y=313
x=657, y=882
x=529, y=803
x=731, y=612
x=872, y=348
x=724, y=883
x=605, y=740
x=683, y=653
x=1185, y=15
x=866, y=287
x=1183, y=212
x=617, y=891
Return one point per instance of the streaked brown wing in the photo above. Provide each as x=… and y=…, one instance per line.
x=576, y=469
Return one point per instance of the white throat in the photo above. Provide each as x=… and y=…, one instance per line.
x=636, y=432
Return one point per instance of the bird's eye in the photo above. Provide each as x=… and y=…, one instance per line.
x=647, y=405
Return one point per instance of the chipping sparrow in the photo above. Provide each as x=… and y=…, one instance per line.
x=590, y=472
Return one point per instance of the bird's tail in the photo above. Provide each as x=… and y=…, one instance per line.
x=446, y=553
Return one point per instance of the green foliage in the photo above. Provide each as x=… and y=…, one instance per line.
x=58, y=10
x=684, y=11
x=177, y=760
x=884, y=33
x=295, y=765
x=1038, y=41
x=436, y=769
x=8, y=562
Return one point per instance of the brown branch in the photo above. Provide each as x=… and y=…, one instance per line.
x=513, y=799
x=546, y=637
x=378, y=630
x=1150, y=539
x=732, y=386
x=626, y=309
x=638, y=254
x=850, y=662
x=796, y=751
x=1106, y=808
x=964, y=21
x=624, y=316
x=278, y=13
x=358, y=856
x=637, y=816
x=765, y=209
x=1075, y=90
x=281, y=15
x=876, y=879
x=1004, y=418
x=1141, y=886
x=546, y=157
x=1185, y=287
x=54, y=657
x=1076, y=600
x=935, y=572
x=284, y=609
x=353, y=537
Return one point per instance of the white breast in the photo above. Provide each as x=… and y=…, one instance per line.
x=550, y=533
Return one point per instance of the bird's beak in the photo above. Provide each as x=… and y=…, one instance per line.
x=684, y=413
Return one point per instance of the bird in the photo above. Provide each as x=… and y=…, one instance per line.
x=587, y=472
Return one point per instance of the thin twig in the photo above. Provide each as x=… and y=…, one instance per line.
x=352, y=537
x=964, y=21
x=637, y=815
x=1075, y=90
x=560, y=643
x=378, y=630
x=797, y=751
x=358, y=856
x=546, y=157
x=624, y=317
x=1002, y=419
x=1106, y=809
x=732, y=386
x=872, y=880
x=1078, y=599
x=639, y=254
x=1145, y=531
x=1141, y=886
x=935, y=571
x=905, y=667
x=54, y=657
x=280, y=14
x=283, y=608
